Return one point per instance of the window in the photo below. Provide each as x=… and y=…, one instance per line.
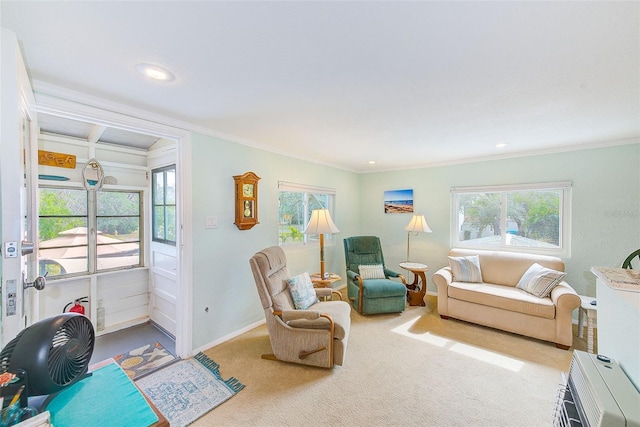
x=295, y=203
x=83, y=232
x=164, y=205
x=532, y=217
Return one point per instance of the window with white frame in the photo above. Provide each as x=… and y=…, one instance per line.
x=527, y=217
x=163, y=211
x=84, y=232
x=295, y=203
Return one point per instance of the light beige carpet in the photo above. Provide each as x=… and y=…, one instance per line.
x=409, y=369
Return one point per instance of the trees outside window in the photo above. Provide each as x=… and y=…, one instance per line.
x=534, y=217
x=295, y=203
x=82, y=232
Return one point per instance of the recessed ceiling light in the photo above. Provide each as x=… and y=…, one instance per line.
x=501, y=145
x=155, y=72
x=372, y=162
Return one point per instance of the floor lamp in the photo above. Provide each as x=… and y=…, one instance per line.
x=321, y=223
x=417, y=225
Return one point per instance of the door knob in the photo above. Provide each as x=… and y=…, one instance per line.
x=39, y=283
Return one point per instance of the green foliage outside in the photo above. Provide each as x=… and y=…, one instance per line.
x=60, y=203
x=294, y=212
x=536, y=214
x=63, y=209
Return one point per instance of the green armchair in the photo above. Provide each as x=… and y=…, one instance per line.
x=377, y=294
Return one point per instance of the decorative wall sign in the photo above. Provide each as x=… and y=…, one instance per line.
x=398, y=201
x=59, y=160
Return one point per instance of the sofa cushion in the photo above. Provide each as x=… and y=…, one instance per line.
x=302, y=291
x=506, y=268
x=371, y=271
x=466, y=269
x=539, y=280
x=504, y=297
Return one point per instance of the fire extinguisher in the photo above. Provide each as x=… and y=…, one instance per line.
x=77, y=306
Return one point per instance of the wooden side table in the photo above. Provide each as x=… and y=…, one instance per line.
x=319, y=282
x=416, y=290
x=591, y=311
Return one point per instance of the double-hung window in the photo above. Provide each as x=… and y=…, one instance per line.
x=295, y=203
x=84, y=232
x=526, y=217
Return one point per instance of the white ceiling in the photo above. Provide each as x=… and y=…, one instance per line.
x=406, y=84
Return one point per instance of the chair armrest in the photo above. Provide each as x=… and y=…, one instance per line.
x=306, y=319
x=289, y=315
x=352, y=275
x=327, y=292
x=391, y=273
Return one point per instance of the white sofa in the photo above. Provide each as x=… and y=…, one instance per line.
x=498, y=303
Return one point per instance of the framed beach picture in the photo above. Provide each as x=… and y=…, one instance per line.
x=398, y=201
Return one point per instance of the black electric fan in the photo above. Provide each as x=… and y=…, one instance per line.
x=50, y=354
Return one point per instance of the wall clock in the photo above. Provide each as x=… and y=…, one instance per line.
x=246, y=200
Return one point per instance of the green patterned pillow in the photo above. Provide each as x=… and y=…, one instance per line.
x=466, y=269
x=540, y=281
x=302, y=291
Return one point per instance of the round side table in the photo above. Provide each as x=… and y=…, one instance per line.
x=416, y=290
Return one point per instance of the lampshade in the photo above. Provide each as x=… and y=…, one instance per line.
x=321, y=223
x=418, y=225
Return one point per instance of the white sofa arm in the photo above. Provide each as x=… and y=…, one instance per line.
x=566, y=299
x=442, y=279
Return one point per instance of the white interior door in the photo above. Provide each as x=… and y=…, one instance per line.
x=18, y=145
x=163, y=256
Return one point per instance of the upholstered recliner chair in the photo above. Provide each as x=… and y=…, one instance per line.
x=372, y=291
x=316, y=335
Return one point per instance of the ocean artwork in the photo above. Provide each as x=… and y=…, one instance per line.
x=398, y=201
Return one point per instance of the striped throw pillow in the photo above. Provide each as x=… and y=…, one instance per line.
x=466, y=269
x=371, y=271
x=539, y=280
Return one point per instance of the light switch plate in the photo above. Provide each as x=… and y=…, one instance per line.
x=211, y=221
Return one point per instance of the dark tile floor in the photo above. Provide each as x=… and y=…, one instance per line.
x=115, y=343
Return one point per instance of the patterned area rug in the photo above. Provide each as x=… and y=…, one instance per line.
x=144, y=360
x=188, y=389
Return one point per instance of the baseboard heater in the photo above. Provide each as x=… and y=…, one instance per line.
x=597, y=393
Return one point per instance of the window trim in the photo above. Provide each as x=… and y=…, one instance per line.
x=564, y=245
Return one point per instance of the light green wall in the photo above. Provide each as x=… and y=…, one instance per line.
x=605, y=227
x=605, y=205
x=222, y=279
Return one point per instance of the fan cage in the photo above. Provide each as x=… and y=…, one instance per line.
x=54, y=352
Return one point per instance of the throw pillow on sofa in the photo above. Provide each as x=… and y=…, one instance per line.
x=302, y=291
x=540, y=281
x=466, y=269
x=375, y=271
